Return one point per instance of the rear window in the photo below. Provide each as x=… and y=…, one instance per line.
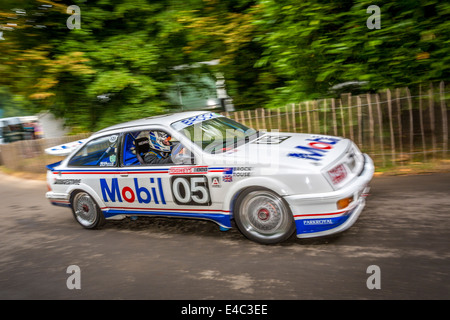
x=100, y=152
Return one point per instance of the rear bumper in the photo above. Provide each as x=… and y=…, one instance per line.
x=58, y=199
x=317, y=215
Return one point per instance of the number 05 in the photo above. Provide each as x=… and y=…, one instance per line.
x=195, y=186
x=191, y=190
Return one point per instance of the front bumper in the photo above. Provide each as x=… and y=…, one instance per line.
x=317, y=215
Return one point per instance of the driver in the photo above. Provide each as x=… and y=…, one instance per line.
x=160, y=149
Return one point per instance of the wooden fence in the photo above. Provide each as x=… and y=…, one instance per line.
x=395, y=127
x=29, y=155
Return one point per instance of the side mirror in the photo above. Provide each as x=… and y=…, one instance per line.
x=181, y=155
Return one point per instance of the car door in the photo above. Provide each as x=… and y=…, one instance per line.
x=144, y=188
x=163, y=189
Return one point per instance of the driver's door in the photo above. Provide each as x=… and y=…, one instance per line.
x=168, y=189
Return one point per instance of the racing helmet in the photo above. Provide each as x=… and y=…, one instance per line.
x=160, y=141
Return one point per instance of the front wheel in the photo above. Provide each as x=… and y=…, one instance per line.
x=86, y=211
x=263, y=216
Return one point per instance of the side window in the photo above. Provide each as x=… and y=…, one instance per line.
x=99, y=152
x=129, y=150
x=148, y=147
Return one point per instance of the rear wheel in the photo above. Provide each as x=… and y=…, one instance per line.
x=86, y=211
x=263, y=216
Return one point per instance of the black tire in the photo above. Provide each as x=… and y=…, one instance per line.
x=263, y=216
x=86, y=211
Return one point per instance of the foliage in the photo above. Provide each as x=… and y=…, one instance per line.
x=115, y=68
x=315, y=45
x=121, y=62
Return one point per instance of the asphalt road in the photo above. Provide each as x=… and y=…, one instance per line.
x=404, y=231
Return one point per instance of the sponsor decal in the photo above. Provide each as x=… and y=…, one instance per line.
x=227, y=175
x=188, y=170
x=268, y=139
x=106, y=164
x=67, y=181
x=316, y=149
x=199, y=118
x=190, y=190
x=239, y=172
x=228, y=171
x=113, y=138
x=317, y=222
x=227, y=178
x=337, y=174
x=215, y=182
x=153, y=193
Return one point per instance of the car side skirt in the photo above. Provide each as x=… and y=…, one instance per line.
x=222, y=218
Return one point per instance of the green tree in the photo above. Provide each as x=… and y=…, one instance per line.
x=316, y=44
x=122, y=61
x=117, y=67
x=226, y=30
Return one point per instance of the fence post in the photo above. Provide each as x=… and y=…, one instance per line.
x=391, y=125
x=411, y=122
x=444, y=119
x=249, y=115
x=371, y=124
x=279, y=118
x=236, y=116
x=288, y=125
x=380, y=127
x=432, y=124
x=350, y=116
x=342, y=117
x=258, y=127
x=263, y=116
x=399, y=121
x=300, y=116
x=358, y=101
x=294, y=129
x=308, y=119
x=422, y=129
x=333, y=108
x=316, y=123
x=243, y=117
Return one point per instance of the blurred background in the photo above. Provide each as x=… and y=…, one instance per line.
x=68, y=68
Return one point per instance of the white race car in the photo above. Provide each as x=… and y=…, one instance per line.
x=206, y=166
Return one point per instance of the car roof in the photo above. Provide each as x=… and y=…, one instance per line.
x=165, y=120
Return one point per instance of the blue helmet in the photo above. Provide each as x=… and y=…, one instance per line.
x=160, y=141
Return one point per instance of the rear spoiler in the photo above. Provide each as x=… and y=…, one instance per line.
x=64, y=149
x=53, y=165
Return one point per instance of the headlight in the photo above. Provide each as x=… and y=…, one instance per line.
x=337, y=174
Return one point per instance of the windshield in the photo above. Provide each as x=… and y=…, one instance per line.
x=214, y=133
